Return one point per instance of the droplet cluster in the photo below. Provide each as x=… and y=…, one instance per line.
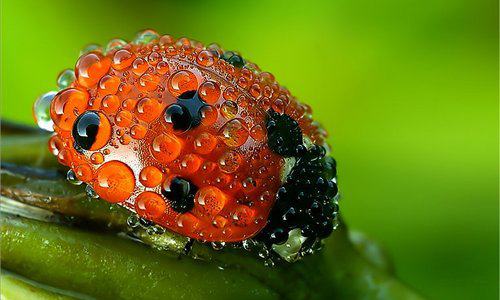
x=192, y=138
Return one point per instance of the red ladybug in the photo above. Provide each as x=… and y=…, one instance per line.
x=195, y=139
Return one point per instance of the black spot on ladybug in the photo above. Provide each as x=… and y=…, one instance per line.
x=185, y=114
x=181, y=194
x=284, y=135
x=85, y=129
x=304, y=201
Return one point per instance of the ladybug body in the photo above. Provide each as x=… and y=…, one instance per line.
x=196, y=140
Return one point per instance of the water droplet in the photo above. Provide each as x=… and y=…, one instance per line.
x=138, y=132
x=208, y=115
x=41, y=111
x=123, y=118
x=229, y=109
x=71, y=177
x=154, y=58
x=133, y=220
x=90, y=68
x=114, y=45
x=158, y=230
x=162, y=67
x=264, y=253
x=248, y=244
x=150, y=205
x=66, y=106
x=205, y=58
x=182, y=81
x=146, y=37
x=114, y=181
x=230, y=93
x=190, y=163
x=91, y=192
x=165, y=148
x=91, y=48
x=218, y=245
x=139, y=66
x=151, y=176
x=234, y=133
x=83, y=172
x=148, y=109
x=97, y=158
x=122, y=59
x=148, y=82
x=230, y=162
x=205, y=143
x=269, y=263
x=209, y=92
x=65, y=79
x=110, y=103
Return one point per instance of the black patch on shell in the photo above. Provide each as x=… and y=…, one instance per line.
x=85, y=129
x=305, y=200
x=284, y=136
x=185, y=114
x=181, y=194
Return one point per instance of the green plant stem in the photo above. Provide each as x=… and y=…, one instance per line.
x=98, y=262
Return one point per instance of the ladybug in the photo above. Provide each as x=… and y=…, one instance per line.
x=195, y=139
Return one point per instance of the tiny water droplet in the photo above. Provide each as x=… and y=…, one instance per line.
x=218, y=245
x=264, y=253
x=269, y=263
x=158, y=230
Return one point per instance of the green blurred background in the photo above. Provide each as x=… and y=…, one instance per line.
x=407, y=89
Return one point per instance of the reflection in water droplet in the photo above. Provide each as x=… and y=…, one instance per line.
x=65, y=78
x=41, y=111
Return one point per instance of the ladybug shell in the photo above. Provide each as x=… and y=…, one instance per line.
x=177, y=133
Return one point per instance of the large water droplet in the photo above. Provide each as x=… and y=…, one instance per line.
x=41, y=111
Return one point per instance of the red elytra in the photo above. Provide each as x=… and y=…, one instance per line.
x=225, y=156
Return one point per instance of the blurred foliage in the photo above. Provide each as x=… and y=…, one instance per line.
x=407, y=89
